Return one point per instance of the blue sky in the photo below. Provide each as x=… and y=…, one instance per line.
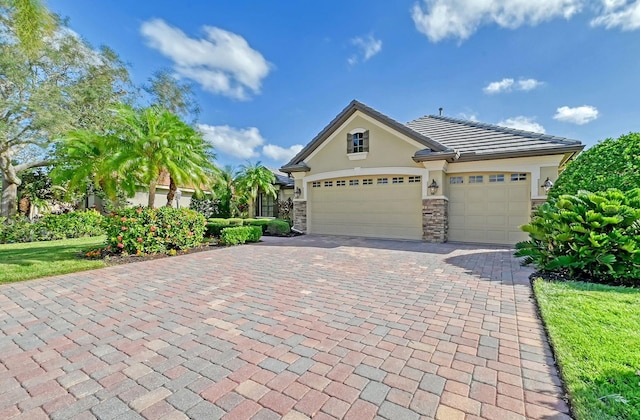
x=270, y=75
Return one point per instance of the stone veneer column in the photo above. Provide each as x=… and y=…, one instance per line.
x=435, y=220
x=300, y=215
x=537, y=202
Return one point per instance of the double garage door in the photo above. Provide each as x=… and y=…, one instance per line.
x=488, y=208
x=376, y=206
x=483, y=207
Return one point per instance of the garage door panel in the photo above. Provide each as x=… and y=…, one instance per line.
x=383, y=211
x=488, y=212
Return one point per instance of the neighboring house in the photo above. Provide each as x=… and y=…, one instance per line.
x=436, y=178
x=267, y=205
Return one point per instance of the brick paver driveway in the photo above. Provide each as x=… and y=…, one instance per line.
x=301, y=327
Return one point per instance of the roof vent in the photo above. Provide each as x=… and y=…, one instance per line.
x=440, y=111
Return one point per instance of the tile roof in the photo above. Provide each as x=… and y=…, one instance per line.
x=475, y=138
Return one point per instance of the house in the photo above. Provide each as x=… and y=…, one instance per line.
x=267, y=205
x=435, y=178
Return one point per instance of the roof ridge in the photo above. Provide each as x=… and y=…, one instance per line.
x=499, y=128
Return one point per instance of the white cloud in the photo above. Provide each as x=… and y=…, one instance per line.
x=368, y=47
x=523, y=123
x=469, y=117
x=619, y=13
x=507, y=85
x=222, y=62
x=280, y=153
x=238, y=142
x=459, y=19
x=579, y=115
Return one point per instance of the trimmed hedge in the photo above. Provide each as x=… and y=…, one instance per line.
x=240, y=234
x=591, y=236
x=144, y=230
x=277, y=227
x=75, y=224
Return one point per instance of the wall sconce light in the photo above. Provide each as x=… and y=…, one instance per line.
x=298, y=192
x=547, y=185
x=433, y=187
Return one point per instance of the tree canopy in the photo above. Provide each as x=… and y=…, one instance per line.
x=612, y=163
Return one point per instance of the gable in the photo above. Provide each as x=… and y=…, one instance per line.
x=386, y=147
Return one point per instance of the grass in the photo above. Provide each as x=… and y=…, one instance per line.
x=32, y=260
x=595, y=331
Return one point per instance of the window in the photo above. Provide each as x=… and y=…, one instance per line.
x=328, y=183
x=476, y=179
x=341, y=183
x=316, y=184
x=518, y=177
x=368, y=181
x=496, y=178
x=358, y=142
x=397, y=180
x=354, y=182
x=266, y=206
x=414, y=179
x=383, y=180
x=456, y=180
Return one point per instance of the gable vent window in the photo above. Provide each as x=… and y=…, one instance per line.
x=353, y=182
x=496, y=178
x=367, y=181
x=328, y=183
x=414, y=179
x=358, y=142
x=316, y=184
x=341, y=183
x=383, y=180
x=518, y=177
x=397, y=180
x=456, y=180
x=476, y=179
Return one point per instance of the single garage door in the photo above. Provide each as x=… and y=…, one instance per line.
x=388, y=206
x=488, y=207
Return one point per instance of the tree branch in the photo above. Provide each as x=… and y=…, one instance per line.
x=37, y=164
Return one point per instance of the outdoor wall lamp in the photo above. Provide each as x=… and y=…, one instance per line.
x=298, y=192
x=433, y=187
x=547, y=185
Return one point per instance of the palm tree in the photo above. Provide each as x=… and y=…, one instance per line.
x=253, y=178
x=155, y=140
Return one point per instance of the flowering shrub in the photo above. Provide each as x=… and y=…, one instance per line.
x=144, y=230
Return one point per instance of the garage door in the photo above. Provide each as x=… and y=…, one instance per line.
x=488, y=208
x=377, y=206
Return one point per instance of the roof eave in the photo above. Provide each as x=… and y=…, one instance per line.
x=299, y=167
x=466, y=157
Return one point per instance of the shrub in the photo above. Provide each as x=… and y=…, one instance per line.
x=235, y=221
x=214, y=229
x=146, y=230
x=261, y=223
x=594, y=236
x=18, y=229
x=254, y=233
x=278, y=227
x=234, y=235
x=76, y=224
x=589, y=170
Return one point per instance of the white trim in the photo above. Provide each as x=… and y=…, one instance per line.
x=357, y=130
x=436, y=197
x=357, y=156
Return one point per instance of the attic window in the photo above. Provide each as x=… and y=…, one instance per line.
x=358, y=142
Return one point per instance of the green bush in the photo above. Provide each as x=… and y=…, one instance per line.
x=235, y=221
x=75, y=224
x=219, y=221
x=214, y=228
x=234, y=235
x=592, y=236
x=254, y=233
x=262, y=223
x=590, y=170
x=146, y=230
x=278, y=227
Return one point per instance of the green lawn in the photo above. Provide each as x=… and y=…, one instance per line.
x=595, y=331
x=40, y=259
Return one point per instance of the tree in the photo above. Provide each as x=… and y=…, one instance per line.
x=32, y=24
x=253, y=178
x=609, y=164
x=63, y=85
x=154, y=140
